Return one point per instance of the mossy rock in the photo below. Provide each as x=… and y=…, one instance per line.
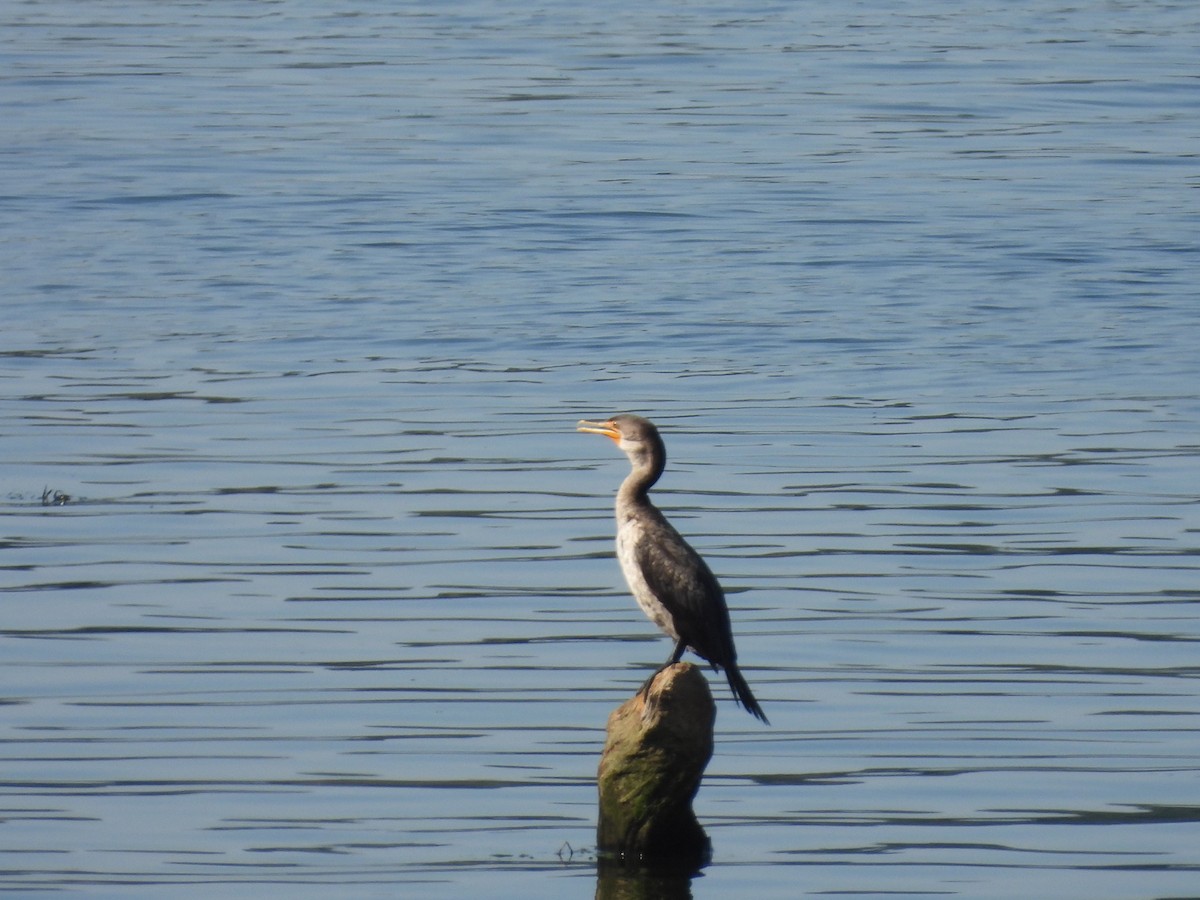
x=659, y=743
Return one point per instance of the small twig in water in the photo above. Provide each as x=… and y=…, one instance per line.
x=54, y=497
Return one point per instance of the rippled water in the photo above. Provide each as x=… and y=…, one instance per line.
x=308, y=584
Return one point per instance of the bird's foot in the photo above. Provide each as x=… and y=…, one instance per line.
x=645, y=688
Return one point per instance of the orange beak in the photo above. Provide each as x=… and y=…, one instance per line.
x=605, y=428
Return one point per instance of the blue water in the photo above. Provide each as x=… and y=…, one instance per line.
x=307, y=579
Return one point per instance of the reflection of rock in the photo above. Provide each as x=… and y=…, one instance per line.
x=618, y=881
x=659, y=742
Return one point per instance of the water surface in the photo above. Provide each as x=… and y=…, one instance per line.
x=308, y=584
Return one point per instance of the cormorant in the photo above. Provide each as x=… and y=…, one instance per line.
x=669, y=580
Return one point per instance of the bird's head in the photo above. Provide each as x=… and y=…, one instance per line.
x=637, y=437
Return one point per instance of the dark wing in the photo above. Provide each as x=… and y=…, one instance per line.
x=684, y=584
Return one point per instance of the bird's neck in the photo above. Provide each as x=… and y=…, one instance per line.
x=635, y=489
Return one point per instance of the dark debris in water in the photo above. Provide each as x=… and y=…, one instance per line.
x=55, y=497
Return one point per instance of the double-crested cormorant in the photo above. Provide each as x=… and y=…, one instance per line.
x=669, y=580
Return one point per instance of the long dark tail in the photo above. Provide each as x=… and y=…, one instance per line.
x=743, y=694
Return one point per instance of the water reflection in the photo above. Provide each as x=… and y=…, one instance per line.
x=616, y=880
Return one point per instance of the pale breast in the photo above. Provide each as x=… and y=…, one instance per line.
x=628, y=534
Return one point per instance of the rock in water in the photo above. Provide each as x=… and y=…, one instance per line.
x=659, y=742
